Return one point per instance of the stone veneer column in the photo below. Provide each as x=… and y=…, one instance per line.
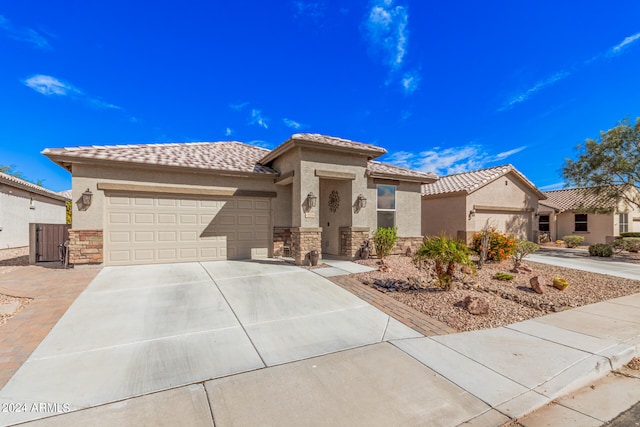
x=354, y=238
x=303, y=241
x=85, y=247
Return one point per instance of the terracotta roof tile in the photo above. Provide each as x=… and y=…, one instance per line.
x=574, y=198
x=29, y=186
x=392, y=170
x=221, y=156
x=472, y=181
x=338, y=142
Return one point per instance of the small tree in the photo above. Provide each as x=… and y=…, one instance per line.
x=523, y=248
x=446, y=253
x=609, y=166
x=384, y=239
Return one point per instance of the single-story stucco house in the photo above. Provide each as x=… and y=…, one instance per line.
x=460, y=205
x=157, y=203
x=22, y=203
x=571, y=212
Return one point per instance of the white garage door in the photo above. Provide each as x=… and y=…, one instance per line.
x=518, y=224
x=151, y=229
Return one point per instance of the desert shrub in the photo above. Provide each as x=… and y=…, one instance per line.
x=573, y=241
x=631, y=244
x=501, y=245
x=384, y=239
x=630, y=234
x=446, y=253
x=601, y=250
x=522, y=249
x=503, y=276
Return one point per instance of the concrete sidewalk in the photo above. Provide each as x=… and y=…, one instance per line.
x=592, y=264
x=480, y=378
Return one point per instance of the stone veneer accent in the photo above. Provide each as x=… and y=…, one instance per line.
x=303, y=241
x=85, y=247
x=407, y=242
x=281, y=240
x=351, y=239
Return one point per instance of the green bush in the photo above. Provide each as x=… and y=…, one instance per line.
x=630, y=234
x=503, y=276
x=501, y=246
x=446, y=253
x=601, y=250
x=573, y=241
x=384, y=239
x=522, y=249
x=631, y=244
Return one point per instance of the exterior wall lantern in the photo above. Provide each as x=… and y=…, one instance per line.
x=312, y=200
x=86, y=198
x=472, y=213
x=361, y=202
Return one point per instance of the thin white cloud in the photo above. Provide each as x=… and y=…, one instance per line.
x=386, y=30
x=238, y=106
x=228, y=132
x=292, y=124
x=410, y=82
x=23, y=34
x=258, y=120
x=261, y=143
x=48, y=85
x=555, y=186
x=315, y=10
x=447, y=161
x=625, y=43
x=51, y=86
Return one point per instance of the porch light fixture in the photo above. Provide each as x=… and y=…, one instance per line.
x=472, y=213
x=312, y=200
x=86, y=198
x=361, y=201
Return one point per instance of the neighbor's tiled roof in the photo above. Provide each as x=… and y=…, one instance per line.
x=573, y=198
x=221, y=156
x=385, y=169
x=12, y=181
x=472, y=181
x=323, y=141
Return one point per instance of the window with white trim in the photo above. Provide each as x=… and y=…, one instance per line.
x=623, y=222
x=386, y=205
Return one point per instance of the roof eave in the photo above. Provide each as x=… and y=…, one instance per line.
x=42, y=192
x=371, y=153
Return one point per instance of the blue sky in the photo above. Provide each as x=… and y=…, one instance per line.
x=443, y=86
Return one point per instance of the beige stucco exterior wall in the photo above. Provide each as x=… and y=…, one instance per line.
x=446, y=215
x=599, y=226
x=87, y=177
x=17, y=210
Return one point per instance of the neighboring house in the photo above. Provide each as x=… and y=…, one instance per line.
x=21, y=203
x=161, y=203
x=571, y=212
x=461, y=204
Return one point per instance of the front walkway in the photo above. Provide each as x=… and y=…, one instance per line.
x=53, y=291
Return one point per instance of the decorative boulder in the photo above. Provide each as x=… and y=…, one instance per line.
x=560, y=283
x=476, y=305
x=536, y=285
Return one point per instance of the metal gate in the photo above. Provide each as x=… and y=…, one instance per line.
x=48, y=239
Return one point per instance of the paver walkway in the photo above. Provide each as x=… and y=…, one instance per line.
x=53, y=291
x=427, y=326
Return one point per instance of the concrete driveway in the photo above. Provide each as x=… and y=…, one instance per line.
x=141, y=329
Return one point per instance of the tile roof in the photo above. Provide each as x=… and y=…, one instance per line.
x=575, y=198
x=385, y=169
x=326, y=142
x=10, y=180
x=471, y=181
x=220, y=156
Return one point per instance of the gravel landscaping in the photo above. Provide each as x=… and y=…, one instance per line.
x=509, y=301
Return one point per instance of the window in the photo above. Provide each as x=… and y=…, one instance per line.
x=386, y=206
x=624, y=222
x=581, y=222
x=543, y=223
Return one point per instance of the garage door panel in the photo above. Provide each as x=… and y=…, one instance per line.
x=146, y=229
